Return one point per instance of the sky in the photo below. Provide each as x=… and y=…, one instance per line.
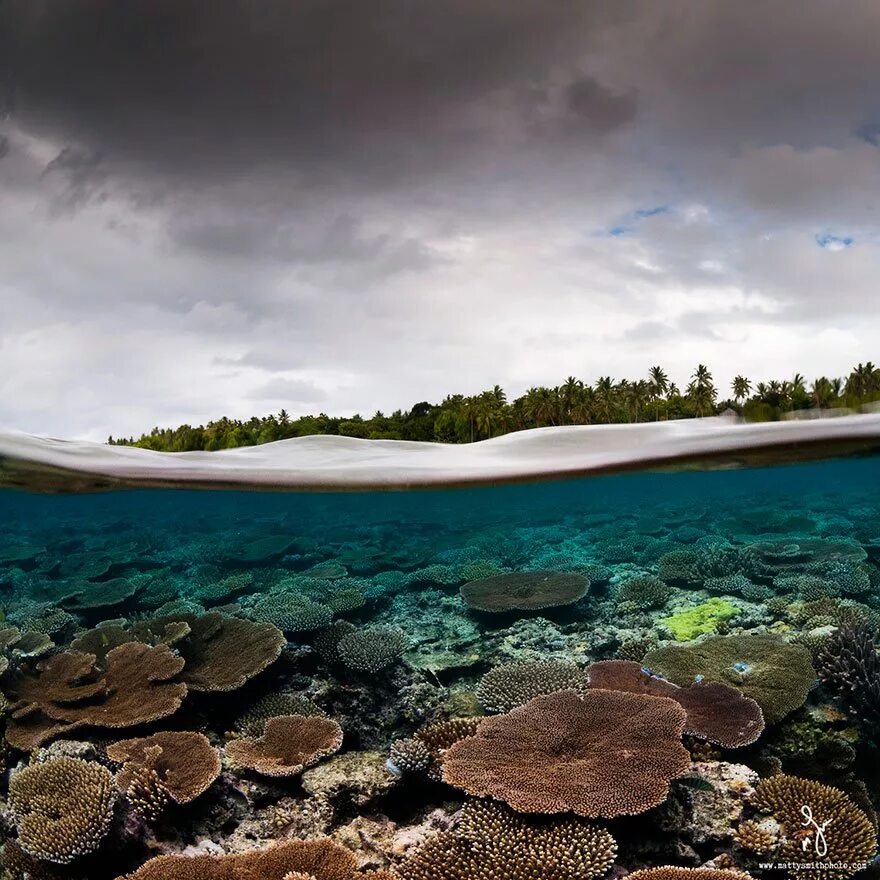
x=214, y=209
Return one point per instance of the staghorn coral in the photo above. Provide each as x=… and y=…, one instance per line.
x=289, y=744
x=775, y=674
x=850, y=837
x=587, y=754
x=715, y=712
x=315, y=859
x=644, y=592
x=492, y=841
x=326, y=641
x=176, y=765
x=68, y=691
x=372, y=648
x=849, y=663
x=524, y=591
x=513, y=684
x=62, y=808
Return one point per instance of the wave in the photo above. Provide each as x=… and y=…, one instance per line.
x=325, y=463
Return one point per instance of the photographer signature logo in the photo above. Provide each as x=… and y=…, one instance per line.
x=816, y=837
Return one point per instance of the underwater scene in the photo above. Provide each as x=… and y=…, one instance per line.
x=555, y=681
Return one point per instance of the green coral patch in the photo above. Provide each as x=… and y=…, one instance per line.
x=700, y=620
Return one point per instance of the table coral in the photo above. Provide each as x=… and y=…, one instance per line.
x=604, y=753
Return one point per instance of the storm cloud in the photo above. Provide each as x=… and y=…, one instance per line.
x=224, y=208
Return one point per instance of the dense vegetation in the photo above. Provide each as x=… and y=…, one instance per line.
x=461, y=419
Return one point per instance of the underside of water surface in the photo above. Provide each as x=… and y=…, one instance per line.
x=565, y=679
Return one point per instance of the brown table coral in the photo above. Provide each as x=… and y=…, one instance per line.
x=69, y=691
x=777, y=675
x=605, y=753
x=289, y=744
x=716, y=712
x=315, y=859
x=168, y=766
x=524, y=591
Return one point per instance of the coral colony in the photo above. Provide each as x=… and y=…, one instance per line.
x=654, y=674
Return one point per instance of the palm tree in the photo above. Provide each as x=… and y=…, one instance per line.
x=569, y=393
x=701, y=390
x=605, y=397
x=658, y=385
x=741, y=388
x=822, y=393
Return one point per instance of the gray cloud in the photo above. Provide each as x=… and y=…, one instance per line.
x=364, y=205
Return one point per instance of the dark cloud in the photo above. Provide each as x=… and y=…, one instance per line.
x=359, y=205
x=332, y=85
x=593, y=106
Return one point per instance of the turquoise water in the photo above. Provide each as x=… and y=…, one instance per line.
x=371, y=610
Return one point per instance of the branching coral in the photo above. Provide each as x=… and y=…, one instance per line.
x=524, y=591
x=513, y=684
x=605, y=753
x=291, y=612
x=63, y=808
x=848, y=835
x=372, y=648
x=849, y=663
x=644, y=592
x=492, y=841
x=775, y=674
x=437, y=738
x=289, y=744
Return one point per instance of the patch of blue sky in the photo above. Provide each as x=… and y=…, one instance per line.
x=832, y=242
x=870, y=133
x=630, y=223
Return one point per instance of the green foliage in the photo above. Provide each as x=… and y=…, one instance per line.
x=461, y=419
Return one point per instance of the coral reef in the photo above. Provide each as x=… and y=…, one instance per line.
x=716, y=712
x=513, y=684
x=848, y=836
x=536, y=757
x=687, y=624
x=775, y=674
x=509, y=667
x=62, y=808
x=289, y=744
x=176, y=765
x=524, y=591
x=493, y=841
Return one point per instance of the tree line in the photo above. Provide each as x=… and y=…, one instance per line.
x=465, y=419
